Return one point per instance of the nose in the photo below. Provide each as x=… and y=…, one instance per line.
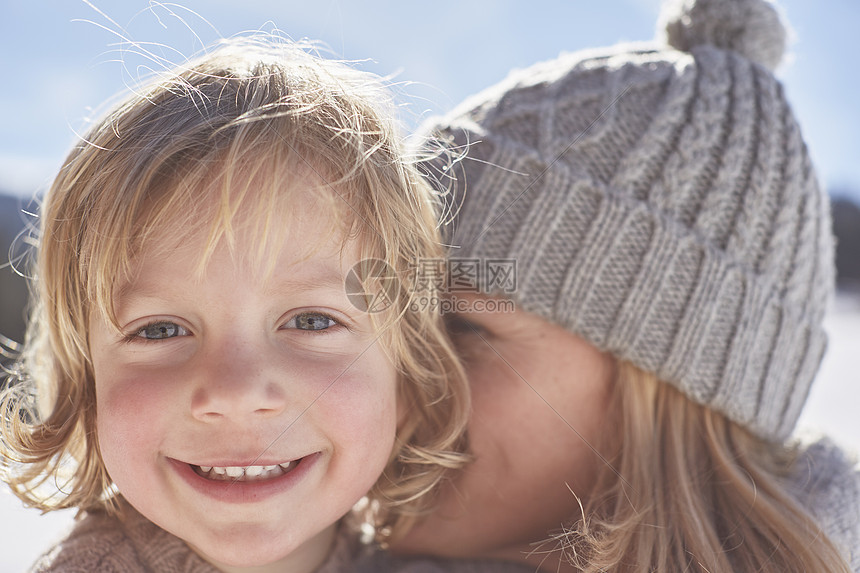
x=237, y=384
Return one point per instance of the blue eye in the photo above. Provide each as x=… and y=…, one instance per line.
x=311, y=321
x=161, y=330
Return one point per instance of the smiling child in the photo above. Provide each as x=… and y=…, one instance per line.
x=198, y=380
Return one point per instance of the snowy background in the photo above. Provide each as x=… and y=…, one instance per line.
x=63, y=58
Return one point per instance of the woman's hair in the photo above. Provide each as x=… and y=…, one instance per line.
x=239, y=123
x=690, y=490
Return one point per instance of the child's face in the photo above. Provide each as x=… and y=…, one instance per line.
x=238, y=368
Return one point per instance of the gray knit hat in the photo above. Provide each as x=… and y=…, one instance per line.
x=659, y=202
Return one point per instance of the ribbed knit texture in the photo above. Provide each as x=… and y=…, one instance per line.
x=662, y=205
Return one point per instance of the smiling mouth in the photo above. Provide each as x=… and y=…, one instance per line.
x=244, y=473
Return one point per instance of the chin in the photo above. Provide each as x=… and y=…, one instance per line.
x=451, y=539
x=241, y=554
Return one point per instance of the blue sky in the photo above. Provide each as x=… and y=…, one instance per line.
x=60, y=63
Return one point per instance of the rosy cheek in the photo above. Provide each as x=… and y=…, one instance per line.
x=360, y=407
x=362, y=401
x=131, y=410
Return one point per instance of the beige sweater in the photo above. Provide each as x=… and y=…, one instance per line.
x=102, y=544
x=105, y=544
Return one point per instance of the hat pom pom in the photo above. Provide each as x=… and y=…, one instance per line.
x=752, y=28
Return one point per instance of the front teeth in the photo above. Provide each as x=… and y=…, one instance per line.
x=239, y=473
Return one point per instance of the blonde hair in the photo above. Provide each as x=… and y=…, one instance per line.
x=242, y=120
x=693, y=492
